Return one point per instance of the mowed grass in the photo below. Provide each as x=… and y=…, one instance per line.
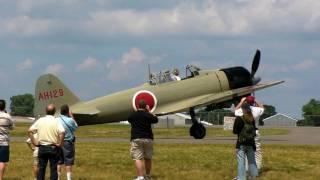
x=111, y=161
x=123, y=131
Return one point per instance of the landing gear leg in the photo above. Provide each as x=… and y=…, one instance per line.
x=197, y=130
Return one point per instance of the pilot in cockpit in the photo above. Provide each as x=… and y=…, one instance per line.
x=175, y=75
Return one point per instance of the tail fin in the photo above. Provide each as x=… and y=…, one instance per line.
x=50, y=90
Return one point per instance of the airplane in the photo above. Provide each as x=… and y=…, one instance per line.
x=199, y=88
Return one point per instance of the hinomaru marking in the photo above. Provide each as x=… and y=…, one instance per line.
x=52, y=94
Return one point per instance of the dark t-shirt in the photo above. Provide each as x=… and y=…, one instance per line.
x=141, y=124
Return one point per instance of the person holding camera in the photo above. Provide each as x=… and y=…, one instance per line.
x=257, y=109
x=67, y=155
x=142, y=139
x=6, y=125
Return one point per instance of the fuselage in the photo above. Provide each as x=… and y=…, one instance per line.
x=117, y=106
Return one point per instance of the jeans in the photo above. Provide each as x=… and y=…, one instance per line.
x=258, y=152
x=242, y=153
x=45, y=154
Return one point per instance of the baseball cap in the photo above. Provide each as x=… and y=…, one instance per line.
x=250, y=100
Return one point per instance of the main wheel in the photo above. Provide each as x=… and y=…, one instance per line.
x=198, y=131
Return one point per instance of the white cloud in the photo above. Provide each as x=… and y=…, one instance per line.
x=207, y=17
x=305, y=65
x=135, y=55
x=24, y=26
x=54, y=69
x=211, y=17
x=88, y=64
x=130, y=64
x=24, y=65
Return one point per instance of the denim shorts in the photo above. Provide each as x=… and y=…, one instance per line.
x=4, y=153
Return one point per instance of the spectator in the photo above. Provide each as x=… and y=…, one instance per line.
x=50, y=139
x=34, y=149
x=6, y=124
x=142, y=139
x=68, y=149
x=257, y=110
x=244, y=127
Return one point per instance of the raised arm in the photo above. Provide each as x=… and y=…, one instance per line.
x=259, y=104
x=240, y=103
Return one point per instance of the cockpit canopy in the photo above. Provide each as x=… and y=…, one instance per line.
x=166, y=75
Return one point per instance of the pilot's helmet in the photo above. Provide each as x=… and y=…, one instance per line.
x=175, y=71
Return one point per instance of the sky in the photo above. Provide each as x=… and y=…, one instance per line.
x=98, y=47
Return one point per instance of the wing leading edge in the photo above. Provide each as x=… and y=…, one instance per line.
x=207, y=99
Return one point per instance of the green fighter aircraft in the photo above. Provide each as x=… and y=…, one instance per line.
x=199, y=88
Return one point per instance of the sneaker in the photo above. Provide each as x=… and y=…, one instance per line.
x=147, y=177
x=139, y=178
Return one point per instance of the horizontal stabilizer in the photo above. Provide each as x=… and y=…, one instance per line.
x=82, y=109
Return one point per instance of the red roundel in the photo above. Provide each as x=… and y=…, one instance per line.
x=147, y=96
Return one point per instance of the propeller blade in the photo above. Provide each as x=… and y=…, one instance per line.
x=255, y=63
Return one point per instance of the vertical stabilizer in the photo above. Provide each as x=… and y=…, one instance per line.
x=50, y=90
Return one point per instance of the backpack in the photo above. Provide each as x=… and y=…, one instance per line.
x=247, y=134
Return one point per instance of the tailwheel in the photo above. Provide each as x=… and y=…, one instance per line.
x=197, y=130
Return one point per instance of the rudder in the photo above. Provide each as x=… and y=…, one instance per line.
x=50, y=90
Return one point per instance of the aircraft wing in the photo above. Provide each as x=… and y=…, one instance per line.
x=207, y=99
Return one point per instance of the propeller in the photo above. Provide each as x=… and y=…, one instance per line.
x=254, y=67
x=255, y=63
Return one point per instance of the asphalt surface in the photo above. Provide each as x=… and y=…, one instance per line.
x=296, y=136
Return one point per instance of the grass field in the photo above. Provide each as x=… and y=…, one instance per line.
x=111, y=161
x=176, y=161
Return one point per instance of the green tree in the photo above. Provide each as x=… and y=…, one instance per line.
x=22, y=105
x=311, y=112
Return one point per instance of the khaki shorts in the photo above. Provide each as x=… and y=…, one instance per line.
x=141, y=149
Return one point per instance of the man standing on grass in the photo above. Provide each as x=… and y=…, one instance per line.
x=50, y=139
x=6, y=124
x=142, y=139
x=68, y=149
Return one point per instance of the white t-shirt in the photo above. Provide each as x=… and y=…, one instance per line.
x=256, y=112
